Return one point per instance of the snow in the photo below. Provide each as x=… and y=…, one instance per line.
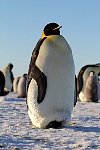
x=17, y=132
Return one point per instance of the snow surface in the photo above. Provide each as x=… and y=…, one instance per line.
x=17, y=132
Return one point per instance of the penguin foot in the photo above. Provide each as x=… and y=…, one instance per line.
x=4, y=93
x=54, y=124
x=21, y=96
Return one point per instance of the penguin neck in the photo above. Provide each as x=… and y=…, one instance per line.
x=43, y=35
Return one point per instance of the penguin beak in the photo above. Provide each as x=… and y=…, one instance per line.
x=57, y=27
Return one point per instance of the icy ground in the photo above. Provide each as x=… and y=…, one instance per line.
x=17, y=132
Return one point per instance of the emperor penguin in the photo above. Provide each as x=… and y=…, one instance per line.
x=83, y=75
x=15, y=84
x=21, y=89
x=91, y=89
x=7, y=71
x=2, y=85
x=75, y=91
x=99, y=86
x=51, y=80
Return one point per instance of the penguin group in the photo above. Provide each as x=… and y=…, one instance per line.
x=88, y=83
x=19, y=86
x=9, y=83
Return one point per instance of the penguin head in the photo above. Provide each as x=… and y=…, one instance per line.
x=7, y=68
x=10, y=66
x=51, y=29
x=25, y=75
x=91, y=73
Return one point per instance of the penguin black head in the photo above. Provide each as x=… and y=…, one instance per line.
x=51, y=29
x=25, y=75
x=11, y=66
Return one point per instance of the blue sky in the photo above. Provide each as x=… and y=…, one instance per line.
x=22, y=21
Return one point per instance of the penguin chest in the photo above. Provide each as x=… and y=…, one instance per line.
x=15, y=84
x=56, y=62
x=22, y=87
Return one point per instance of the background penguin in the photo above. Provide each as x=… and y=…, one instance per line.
x=99, y=86
x=98, y=64
x=15, y=84
x=91, y=89
x=83, y=75
x=51, y=80
x=2, y=84
x=21, y=89
x=7, y=71
x=75, y=90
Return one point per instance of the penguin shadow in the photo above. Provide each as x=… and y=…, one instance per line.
x=14, y=100
x=84, y=129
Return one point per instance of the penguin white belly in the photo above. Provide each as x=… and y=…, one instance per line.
x=15, y=84
x=99, y=90
x=56, y=62
x=8, y=83
x=21, y=89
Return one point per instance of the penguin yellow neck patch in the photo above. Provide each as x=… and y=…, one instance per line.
x=43, y=35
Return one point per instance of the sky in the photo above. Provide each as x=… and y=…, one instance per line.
x=22, y=22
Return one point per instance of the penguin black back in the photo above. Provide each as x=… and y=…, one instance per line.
x=11, y=74
x=2, y=83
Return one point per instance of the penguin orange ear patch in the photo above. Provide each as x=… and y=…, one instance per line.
x=43, y=34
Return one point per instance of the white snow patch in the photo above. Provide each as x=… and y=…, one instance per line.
x=17, y=132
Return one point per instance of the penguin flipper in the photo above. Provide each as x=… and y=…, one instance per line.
x=41, y=80
x=35, y=73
